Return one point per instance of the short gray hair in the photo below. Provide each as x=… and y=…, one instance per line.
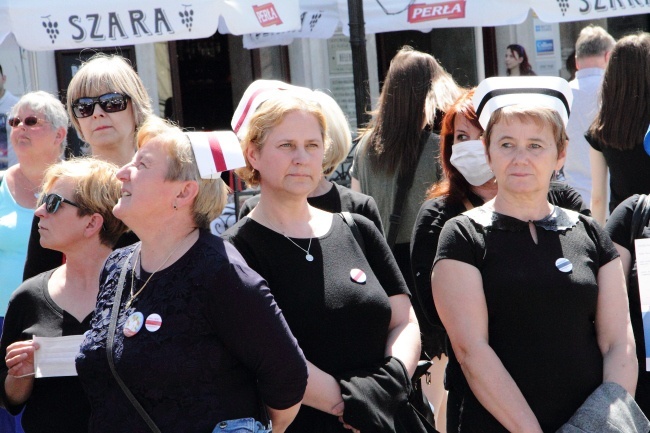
x=48, y=106
x=593, y=41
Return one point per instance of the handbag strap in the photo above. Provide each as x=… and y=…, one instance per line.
x=111, y=338
x=404, y=183
x=640, y=217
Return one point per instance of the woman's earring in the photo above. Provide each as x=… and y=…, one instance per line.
x=175, y=206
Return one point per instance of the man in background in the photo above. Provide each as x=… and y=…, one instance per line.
x=593, y=47
x=7, y=100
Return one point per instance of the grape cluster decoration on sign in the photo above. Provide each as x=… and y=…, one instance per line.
x=564, y=5
x=187, y=17
x=52, y=28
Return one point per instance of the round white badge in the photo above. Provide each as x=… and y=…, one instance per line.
x=153, y=322
x=358, y=276
x=133, y=324
x=564, y=265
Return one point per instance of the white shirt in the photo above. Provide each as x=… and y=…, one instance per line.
x=577, y=169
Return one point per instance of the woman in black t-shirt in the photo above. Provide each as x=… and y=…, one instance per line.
x=616, y=134
x=350, y=311
x=531, y=295
x=468, y=182
x=75, y=217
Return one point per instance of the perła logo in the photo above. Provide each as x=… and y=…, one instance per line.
x=434, y=11
x=267, y=15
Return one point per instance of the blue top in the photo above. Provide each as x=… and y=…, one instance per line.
x=15, y=224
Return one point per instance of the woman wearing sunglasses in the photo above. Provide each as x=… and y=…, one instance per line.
x=39, y=126
x=75, y=218
x=107, y=102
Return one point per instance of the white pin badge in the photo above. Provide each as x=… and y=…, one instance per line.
x=153, y=322
x=358, y=276
x=133, y=324
x=564, y=265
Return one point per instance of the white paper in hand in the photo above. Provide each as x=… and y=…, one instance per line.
x=56, y=355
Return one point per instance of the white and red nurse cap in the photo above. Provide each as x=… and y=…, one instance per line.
x=215, y=152
x=258, y=92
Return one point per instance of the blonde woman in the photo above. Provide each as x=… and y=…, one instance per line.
x=75, y=218
x=349, y=309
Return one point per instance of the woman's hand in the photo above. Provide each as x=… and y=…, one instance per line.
x=20, y=364
x=323, y=392
x=348, y=426
x=20, y=358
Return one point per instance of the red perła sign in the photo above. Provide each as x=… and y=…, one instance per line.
x=434, y=11
x=267, y=15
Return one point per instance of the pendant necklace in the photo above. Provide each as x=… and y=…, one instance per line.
x=308, y=255
x=133, y=296
x=34, y=187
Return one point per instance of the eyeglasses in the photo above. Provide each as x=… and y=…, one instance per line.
x=110, y=103
x=53, y=202
x=27, y=121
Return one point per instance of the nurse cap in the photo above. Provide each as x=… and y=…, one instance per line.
x=497, y=92
x=258, y=92
x=215, y=152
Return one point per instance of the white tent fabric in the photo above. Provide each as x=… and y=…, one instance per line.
x=72, y=24
x=396, y=15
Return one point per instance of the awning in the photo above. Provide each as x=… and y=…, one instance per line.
x=40, y=25
x=321, y=17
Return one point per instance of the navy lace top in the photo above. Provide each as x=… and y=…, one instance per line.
x=221, y=344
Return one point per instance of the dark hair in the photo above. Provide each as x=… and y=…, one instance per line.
x=453, y=185
x=622, y=120
x=524, y=67
x=396, y=127
x=1, y=73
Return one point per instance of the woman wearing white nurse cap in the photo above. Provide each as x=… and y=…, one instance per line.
x=497, y=92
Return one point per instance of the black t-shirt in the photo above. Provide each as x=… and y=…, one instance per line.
x=341, y=324
x=618, y=227
x=41, y=259
x=540, y=313
x=56, y=404
x=337, y=199
x=432, y=217
x=628, y=171
x=222, y=342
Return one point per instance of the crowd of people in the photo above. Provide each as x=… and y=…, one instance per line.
x=459, y=285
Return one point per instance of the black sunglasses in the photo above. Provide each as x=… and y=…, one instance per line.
x=110, y=103
x=27, y=121
x=53, y=202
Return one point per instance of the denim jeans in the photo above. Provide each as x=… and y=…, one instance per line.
x=241, y=425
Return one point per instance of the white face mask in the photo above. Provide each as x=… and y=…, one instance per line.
x=469, y=158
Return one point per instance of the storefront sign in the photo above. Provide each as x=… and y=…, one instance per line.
x=74, y=24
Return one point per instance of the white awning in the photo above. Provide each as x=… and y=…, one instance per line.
x=72, y=24
x=321, y=17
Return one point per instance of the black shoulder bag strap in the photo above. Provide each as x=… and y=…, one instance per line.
x=640, y=217
x=404, y=183
x=111, y=338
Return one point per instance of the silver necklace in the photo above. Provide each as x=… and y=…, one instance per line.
x=308, y=255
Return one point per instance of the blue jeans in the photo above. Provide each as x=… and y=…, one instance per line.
x=8, y=422
x=241, y=425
